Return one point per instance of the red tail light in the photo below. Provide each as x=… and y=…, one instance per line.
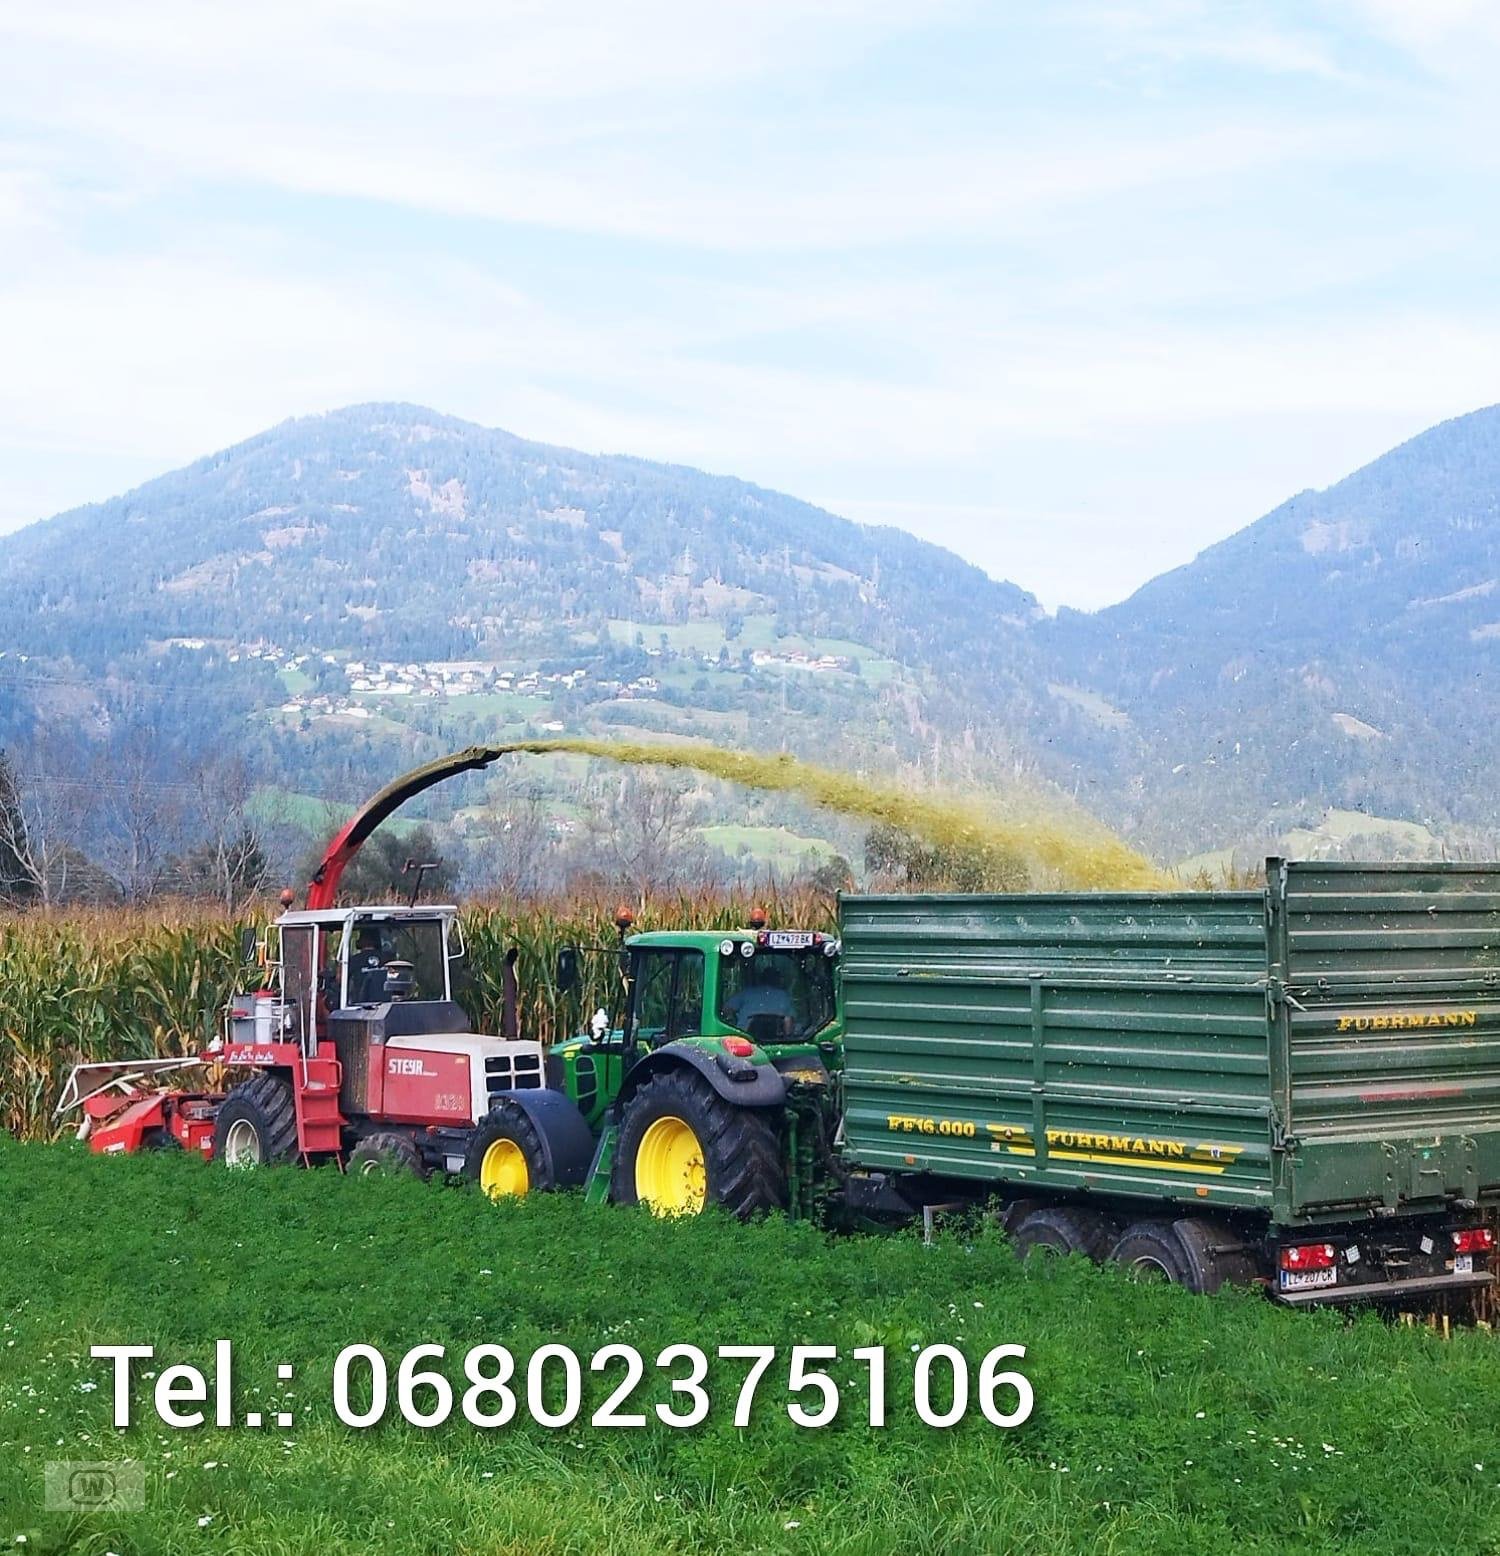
x=1308, y=1256
x=740, y=1047
x=1476, y=1239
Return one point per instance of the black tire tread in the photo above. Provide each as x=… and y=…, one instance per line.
x=1160, y=1239
x=1089, y=1232
x=268, y=1102
x=391, y=1150
x=746, y=1173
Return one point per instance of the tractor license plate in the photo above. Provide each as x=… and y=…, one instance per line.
x=1305, y=1280
x=789, y=939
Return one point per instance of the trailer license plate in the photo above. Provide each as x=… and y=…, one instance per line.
x=1463, y=1264
x=789, y=939
x=1304, y=1280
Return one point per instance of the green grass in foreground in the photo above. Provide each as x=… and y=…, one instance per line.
x=1163, y=1422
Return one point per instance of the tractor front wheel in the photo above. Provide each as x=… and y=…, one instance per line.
x=256, y=1124
x=682, y=1146
x=505, y=1156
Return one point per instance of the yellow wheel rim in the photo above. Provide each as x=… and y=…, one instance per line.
x=503, y=1170
x=669, y=1173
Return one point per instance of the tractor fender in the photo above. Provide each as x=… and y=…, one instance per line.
x=567, y=1140
x=766, y=1090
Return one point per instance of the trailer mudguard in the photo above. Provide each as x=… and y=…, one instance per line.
x=567, y=1140
x=765, y=1088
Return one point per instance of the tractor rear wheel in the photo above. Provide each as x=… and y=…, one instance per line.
x=386, y=1154
x=682, y=1146
x=505, y=1156
x=256, y=1124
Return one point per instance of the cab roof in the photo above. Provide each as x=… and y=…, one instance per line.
x=700, y=939
x=384, y=913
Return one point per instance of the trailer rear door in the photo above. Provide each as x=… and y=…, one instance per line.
x=1386, y=1032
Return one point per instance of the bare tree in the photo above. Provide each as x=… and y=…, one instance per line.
x=143, y=816
x=230, y=862
x=509, y=846
x=43, y=818
x=644, y=833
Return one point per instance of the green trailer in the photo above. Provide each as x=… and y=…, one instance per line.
x=1299, y=1086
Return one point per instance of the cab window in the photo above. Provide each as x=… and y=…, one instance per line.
x=668, y=1000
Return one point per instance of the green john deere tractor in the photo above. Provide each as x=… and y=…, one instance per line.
x=712, y=1083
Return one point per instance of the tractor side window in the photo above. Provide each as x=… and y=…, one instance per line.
x=653, y=995
x=687, y=1002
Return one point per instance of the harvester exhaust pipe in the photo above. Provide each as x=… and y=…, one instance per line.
x=510, y=1017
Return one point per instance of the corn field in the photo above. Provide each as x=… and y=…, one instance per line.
x=127, y=984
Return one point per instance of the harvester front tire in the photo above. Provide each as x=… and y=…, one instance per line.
x=1065, y=1229
x=386, y=1154
x=682, y=1146
x=506, y=1157
x=256, y=1124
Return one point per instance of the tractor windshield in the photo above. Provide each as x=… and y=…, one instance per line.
x=777, y=996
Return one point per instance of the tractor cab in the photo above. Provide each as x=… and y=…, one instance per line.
x=774, y=987
x=740, y=1000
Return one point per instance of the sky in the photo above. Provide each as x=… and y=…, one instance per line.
x=1074, y=289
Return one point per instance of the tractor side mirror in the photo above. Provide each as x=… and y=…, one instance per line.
x=567, y=968
x=248, y=939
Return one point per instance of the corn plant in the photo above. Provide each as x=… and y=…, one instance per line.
x=132, y=983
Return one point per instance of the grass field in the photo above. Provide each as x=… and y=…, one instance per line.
x=1163, y=1422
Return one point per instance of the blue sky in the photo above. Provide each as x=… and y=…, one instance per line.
x=1075, y=289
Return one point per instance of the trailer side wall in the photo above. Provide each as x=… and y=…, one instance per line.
x=1114, y=1044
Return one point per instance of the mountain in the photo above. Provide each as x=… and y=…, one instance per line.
x=347, y=590
x=1342, y=651
x=384, y=576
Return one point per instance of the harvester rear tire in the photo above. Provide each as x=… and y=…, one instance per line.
x=386, y=1154
x=1065, y=1229
x=256, y=1124
x=698, y=1150
x=506, y=1157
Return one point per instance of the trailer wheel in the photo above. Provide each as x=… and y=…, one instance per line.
x=505, y=1155
x=682, y=1146
x=1065, y=1229
x=256, y=1124
x=384, y=1154
x=1199, y=1255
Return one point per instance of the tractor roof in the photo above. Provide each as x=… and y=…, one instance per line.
x=700, y=939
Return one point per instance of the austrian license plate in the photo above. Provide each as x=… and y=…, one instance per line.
x=1306, y=1280
x=789, y=939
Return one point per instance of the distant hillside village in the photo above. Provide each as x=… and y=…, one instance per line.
x=440, y=679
